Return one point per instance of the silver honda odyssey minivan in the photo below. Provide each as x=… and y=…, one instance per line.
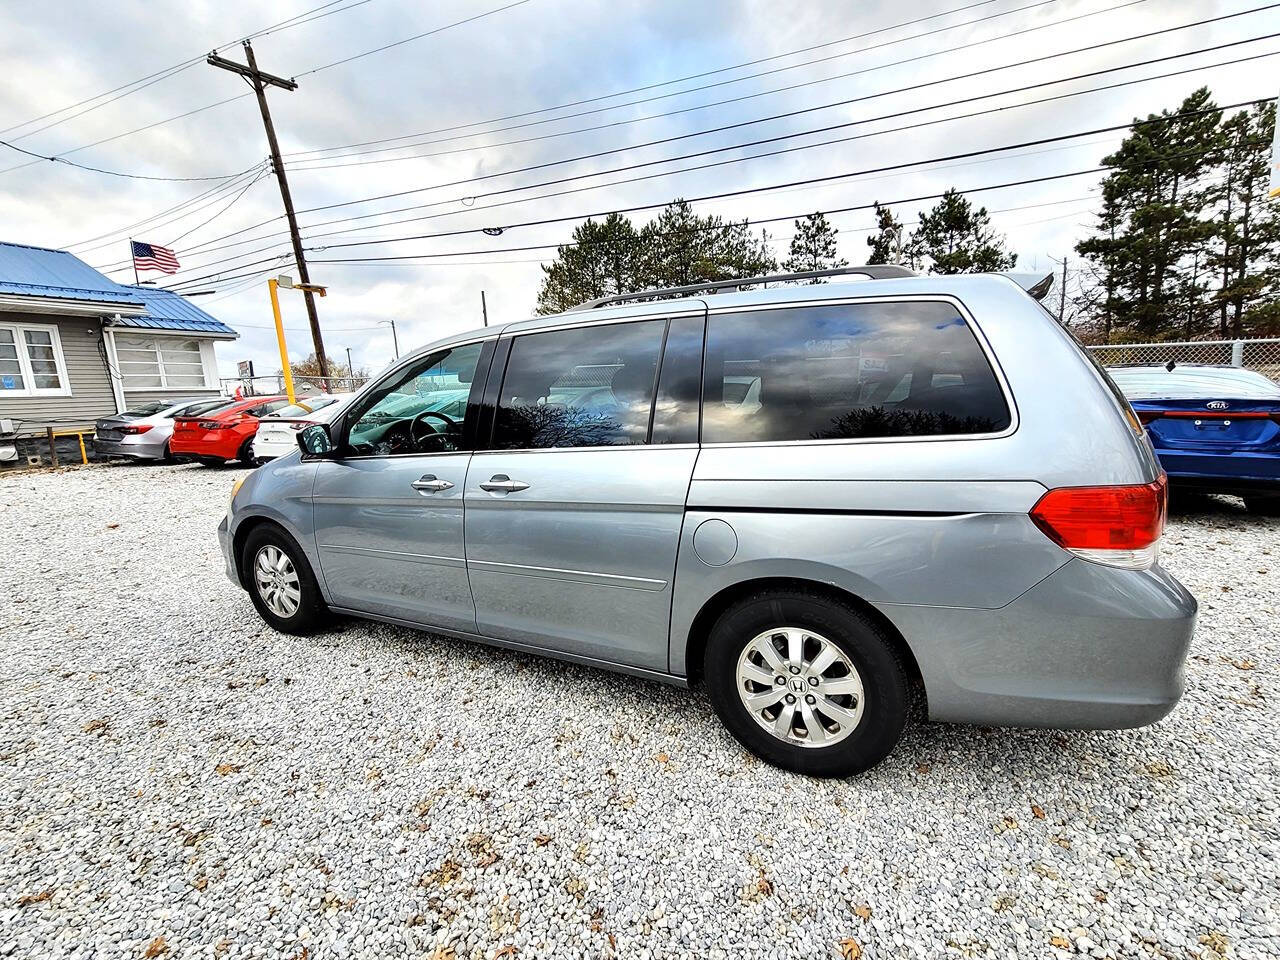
x=830, y=505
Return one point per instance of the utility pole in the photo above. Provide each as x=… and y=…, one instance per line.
x=351, y=371
x=260, y=81
x=1062, y=304
x=484, y=309
x=394, y=340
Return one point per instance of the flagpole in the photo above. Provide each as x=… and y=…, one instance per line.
x=134, y=261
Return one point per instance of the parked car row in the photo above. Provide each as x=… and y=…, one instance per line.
x=210, y=430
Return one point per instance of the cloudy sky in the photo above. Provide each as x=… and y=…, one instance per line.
x=444, y=119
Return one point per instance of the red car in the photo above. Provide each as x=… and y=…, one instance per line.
x=226, y=434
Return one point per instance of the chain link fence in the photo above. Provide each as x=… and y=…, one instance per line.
x=1262, y=355
x=273, y=385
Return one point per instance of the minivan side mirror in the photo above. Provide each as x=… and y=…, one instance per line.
x=316, y=442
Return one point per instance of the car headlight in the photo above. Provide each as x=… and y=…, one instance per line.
x=235, y=488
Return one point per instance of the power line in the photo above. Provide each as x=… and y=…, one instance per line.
x=752, y=76
x=779, y=186
x=209, y=195
x=218, y=103
x=853, y=123
x=652, y=86
x=210, y=245
x=418, y=36
x=110, y=173
x=716, y=103
x=965, y=76
x=163, y=74
x=902, y=128
x=261, y=173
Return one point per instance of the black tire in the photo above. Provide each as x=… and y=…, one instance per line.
x=311, y=613
x=167, y=456
x=245, y=453
x=886, y=690
x=1263, y=506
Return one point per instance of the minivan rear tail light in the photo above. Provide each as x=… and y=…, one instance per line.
x=136, y=429
x=1116, y=525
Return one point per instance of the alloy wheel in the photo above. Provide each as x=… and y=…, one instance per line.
x=277, y=581
x=800, y=687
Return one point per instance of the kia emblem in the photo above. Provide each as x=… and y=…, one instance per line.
x=1217, y=405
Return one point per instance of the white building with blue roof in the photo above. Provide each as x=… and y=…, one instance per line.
x=76, y=346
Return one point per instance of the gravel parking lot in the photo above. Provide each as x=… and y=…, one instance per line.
x=177, y=780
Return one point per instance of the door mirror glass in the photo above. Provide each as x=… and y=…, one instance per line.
x=315, y=441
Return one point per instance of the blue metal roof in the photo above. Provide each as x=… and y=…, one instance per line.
x=40, y=272
x=166, y=310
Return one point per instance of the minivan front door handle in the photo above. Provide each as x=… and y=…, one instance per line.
x=430, y=484
x=501, y=483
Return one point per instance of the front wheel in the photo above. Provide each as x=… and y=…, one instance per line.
x=280, y=582
x=807, y=683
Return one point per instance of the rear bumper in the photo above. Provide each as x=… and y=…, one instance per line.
x=138, y=447
x=269, y=449
x=1088, y=647
x=221, y=448
x=1222, y=471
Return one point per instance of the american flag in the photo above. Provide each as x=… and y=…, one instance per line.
x=148, y=256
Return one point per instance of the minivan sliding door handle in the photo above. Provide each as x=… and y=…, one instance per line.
x=430, y=484
x=501, y=483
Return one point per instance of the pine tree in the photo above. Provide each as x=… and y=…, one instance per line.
x=953, y=237
x=1244, y=251
x=886, y=243
x=602, y=260
x=813, y=247
x=1153, y=237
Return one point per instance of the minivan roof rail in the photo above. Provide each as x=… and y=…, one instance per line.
x=879, y=271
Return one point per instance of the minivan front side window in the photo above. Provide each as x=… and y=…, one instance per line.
x=848, y=371
x=418, y=409
x=584, y=387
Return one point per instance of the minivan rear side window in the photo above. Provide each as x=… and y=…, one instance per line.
x=848, y=371
x=583, y=387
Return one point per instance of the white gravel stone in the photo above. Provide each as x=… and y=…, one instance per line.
x=172, y=768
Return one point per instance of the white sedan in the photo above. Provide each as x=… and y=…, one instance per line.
x=276, y=433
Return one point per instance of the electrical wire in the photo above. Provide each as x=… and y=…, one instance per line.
x=662, y=83
x=209, y=195
x=763, y=189
x=261, y=173
x=163, y=74
x=312, y=236
x=109, y=173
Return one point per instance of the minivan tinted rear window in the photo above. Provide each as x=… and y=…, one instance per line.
x=848, y=371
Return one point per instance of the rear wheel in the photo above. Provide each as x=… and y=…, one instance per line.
x=245, y=453
x=280, y=582
x=1263, y=506
x=807, y=682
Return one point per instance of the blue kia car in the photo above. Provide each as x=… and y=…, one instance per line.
x=1214, y=428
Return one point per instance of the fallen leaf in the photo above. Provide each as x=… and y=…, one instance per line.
x=662, y=758
x=113, y=526
x=1062, y=943
x=850, y=949
x=510, y=950
x=1100, y=896
x=1037, y=812
x=443, y=952
x=156, y=948
x=1243, y=664
x=863, y=911
x=29, y=898
x=223, y=769
x=200, y=882
x=542, y=839
x=923, y=768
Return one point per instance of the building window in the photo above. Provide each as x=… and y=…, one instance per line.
x=159, y=363
x=31, y=362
